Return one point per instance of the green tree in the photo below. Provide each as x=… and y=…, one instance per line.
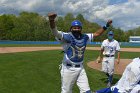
x=31, y=26
x=80, y=18
x=6, y=25
x=68, y=19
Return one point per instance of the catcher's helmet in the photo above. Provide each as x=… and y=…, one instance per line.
x=76, y=23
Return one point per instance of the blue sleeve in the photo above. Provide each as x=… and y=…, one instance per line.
x=66, y=37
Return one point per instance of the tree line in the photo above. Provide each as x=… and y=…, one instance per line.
x=30, y=26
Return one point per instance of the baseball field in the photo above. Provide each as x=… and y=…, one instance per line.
x=37, y=70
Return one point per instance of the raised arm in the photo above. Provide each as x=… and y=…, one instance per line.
x=101, y=30
x=53, y=27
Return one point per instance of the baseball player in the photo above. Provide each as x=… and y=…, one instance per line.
x=129, y=82
x=74, y=45
x=109, y=48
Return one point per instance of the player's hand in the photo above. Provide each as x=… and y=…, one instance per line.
x=52, y=16
x=99, y=60
x=109, y=22
x=118, y=61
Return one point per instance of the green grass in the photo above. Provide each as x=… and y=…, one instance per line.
x=38, y=72
x=27, y=45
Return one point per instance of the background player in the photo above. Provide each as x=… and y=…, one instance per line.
x=109, y=48
x=129, y=82
x=74, y=44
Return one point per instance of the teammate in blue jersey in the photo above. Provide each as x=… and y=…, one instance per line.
x=74, y=45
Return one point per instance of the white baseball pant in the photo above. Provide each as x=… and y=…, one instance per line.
x=70, y=75
x=108, y=65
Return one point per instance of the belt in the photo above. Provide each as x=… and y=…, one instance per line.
x=73, y=65
x=109, y=55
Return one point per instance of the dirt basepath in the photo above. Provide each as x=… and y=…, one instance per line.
x=118, y=68
x=27, y=49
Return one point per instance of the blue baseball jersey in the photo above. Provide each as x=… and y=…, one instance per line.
x=74, y=48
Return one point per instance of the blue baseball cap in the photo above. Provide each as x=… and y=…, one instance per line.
x=110, y=33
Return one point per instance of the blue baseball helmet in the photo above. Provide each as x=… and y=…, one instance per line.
x=76, y=23
x=110, y=33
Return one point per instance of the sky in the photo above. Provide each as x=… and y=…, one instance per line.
x=124, y=13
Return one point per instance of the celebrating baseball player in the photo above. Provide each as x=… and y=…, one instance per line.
x=129, y=82
x=74, y=44
x=109, y=48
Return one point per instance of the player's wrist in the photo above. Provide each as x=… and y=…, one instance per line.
x=106, y=26
x=51, y=20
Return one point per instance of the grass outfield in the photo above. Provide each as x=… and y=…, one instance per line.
x=27, y=45
x=38, y=72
